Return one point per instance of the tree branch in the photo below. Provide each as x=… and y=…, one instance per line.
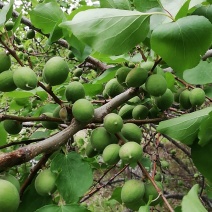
x=28, y=152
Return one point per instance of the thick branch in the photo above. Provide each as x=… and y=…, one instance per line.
x=28, y=152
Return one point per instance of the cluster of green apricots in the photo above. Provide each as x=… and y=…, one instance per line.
x=115, y=140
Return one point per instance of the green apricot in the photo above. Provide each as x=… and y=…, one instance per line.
x=113, y=88
x=83, y=110
x=6, y=81
x=156, y=85
x=197, y=97
x=136, y=77
x=131, y=132
x=132, y=194
x=130, y=152
x=126, y=111
x=184, y=99
x=165, y=101
x=74, y=91
x=77, y=72
x=12, y=127
x=121, y=75
x=89, y=151
x=113, y=123
x=100, y=138
x=5, y=62
x=110, y=154
x=49, y=124
x=140, y=112
x=45, y=182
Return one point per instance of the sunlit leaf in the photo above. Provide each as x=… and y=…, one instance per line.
x=114, y=31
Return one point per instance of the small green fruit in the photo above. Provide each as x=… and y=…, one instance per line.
x=12, y=127
x=151, y=191
x=134, y=101
x=130, y=152
x=111, y=154
x=165, y=101
x=6, y=81
x=113, y=123
x=131, y=132
x=197, y=97
x=30, y=34
x=45, y=182
x=136, y=77
x=5, y=62
x=74, y=91
x=83, y=110
x=156, y=85
x=49, y=124
x=132, y=194
x=121, y=75
x=184, y=99
x=140, y=112
x=100, y=138
x=77, y=72
x=153, y=112
x=89, y=151
x=12, y=180
x=158, y=177
x=177, y=94
x=9, y=197
x=25, y=78
x=9, y=25
x=113, y=88
x=126, y=111
x=164, y=164
x=56, y=71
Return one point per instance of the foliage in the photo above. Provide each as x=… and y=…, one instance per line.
x=108, y=58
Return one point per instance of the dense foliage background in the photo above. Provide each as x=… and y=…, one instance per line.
x=97, y=45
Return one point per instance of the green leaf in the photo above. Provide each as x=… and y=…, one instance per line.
x=118, y=4
x=183, y=10
x=145, y=5
x=200, y=74
x=204, y=11
x=46, y=16
x=191, y=202
x=178, y=209
x=106, y=76
x=93, y=89
x=17, y=22
x=184, y=128
x=19, y=94
x=170, y=81
x=3, y=135
x=174, y=7
x=62, y=208
x=31, y=200
x=201, y=157
x=80, y=50
x=186, y=39
x=117, y=194
x=6, y=12
x=112, y=29
x=145, y=208
x=75, y=176
x=40, y=134
x=205, y=130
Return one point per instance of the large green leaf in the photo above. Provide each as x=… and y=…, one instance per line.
x=118, y=4
x=46, y=16
x=191, y=202
x=205, y=135
x=75, y=176
x=62, y=208
x=110, y=31
x=145, y=5
x=182, y=42
x=200, y=74
x=184, y=128
x=6, y=12
x=204, y=11
x=3, y=135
